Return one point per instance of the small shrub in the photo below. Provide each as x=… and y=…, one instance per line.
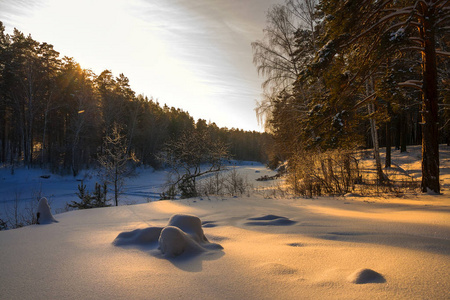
x=97, y=199
x=188, y=188
x=213, y=185
x=236, y=184
x=3, y=225
x=170, y=194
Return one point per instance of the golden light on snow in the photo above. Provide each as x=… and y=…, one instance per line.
x=174, y=207
x=384, y=214
x=280, y=247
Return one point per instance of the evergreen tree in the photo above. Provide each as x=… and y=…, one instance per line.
x=405, y=26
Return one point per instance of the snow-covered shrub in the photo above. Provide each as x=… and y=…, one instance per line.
x=44, y=214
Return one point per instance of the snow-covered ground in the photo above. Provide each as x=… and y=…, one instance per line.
x=24, y=188
x=273, y=248
x=27, y=186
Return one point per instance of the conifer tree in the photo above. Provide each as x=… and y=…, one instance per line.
x=390, y=27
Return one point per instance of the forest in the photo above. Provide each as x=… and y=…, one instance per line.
x=55, y=114
x=339, y=76
x=347, y=75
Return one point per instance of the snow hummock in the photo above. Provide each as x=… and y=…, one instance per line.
x=366, y=276
x=44, y=215
x=270, y=220
x=174, y=242
x=183, y=234
x=138, y=237
x=192, y=225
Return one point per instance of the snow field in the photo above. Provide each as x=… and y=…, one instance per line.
x=273, y=248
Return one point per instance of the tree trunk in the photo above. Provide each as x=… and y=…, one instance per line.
x=403, y=130
x=116, y=187
x=387, y=162
x=370, y=87
x=397, y=131
x=376, y=148
x=430, y=130
x=3, y=134
x=44, y=135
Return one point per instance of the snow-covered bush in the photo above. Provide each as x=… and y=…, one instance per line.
x=44, y=214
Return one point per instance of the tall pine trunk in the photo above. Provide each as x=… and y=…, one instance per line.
x=430, y=130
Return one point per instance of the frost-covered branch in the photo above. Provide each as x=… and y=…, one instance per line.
x=443, y=53
x=417, y=84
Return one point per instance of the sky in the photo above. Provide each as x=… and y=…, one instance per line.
x=193, y=55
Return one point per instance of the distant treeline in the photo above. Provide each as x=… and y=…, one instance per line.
x=55, y=114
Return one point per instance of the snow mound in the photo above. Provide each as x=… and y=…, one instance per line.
x=266, y=218
x=192, y=225
x=362, y=276
x=44, y=215
x=138, y=237
x=270, y=220
x=183, y=234
x=174, y=242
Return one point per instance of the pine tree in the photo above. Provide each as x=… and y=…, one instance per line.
x=405, y=26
